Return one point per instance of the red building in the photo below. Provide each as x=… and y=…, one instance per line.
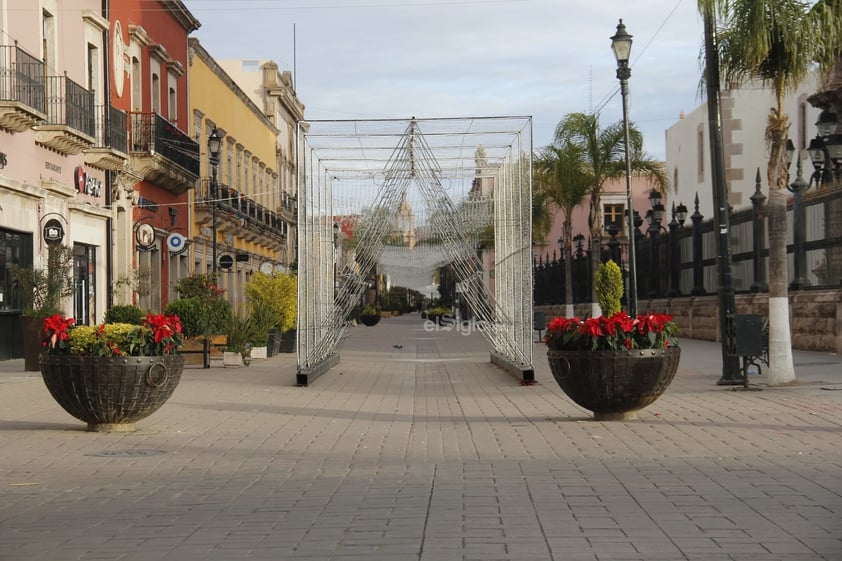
x=148, y=55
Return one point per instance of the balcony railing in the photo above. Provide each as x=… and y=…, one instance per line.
x=244, y=209
x=70, y=104
x=22, y=101
x=152, y=134
x=111, y=132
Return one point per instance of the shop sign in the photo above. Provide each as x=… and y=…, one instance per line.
x=145, y=236
x=86, y=184
x=176, y=243
x=53, y=232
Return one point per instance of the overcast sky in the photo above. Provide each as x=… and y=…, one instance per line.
x=372, y=59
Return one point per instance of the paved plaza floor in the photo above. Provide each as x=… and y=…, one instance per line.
x=416, y=448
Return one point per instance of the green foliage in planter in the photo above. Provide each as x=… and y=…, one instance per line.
x=438, y=311
x=202, y=308
x=609, y=287
x=200, y=317
x=273, y=301
x=241, y=332
x=125, y=314
x=42, y=290
x=127, y=337
x=369, y=310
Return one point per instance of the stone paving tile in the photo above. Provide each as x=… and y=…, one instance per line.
x=428, y=454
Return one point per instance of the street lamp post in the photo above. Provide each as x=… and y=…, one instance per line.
x=621, y=43
x=826, y=149
x=679, y=216
x=214, y=144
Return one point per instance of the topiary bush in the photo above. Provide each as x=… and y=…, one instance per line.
x=201, y=317
x=609, y=287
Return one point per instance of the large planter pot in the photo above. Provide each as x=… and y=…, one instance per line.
x=370, y=319
x=111, y=393
x=615, y=385
x=288, y=341
x=31, y=335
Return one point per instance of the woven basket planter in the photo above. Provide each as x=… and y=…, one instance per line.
x=111, y=393
x=615, y=385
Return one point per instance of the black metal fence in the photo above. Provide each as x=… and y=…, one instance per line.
x=680, y=259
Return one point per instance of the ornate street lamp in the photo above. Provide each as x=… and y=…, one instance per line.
x=214, y=146
x=621, y=43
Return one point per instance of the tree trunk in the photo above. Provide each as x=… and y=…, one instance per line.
x=568, y=268
x=780, y=339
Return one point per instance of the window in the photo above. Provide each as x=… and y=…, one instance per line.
x=93, y=64
x=48, y=41
x=613, y=215
x=172, y=106
x=137, y=96
x=156, y=93
x=15, y=249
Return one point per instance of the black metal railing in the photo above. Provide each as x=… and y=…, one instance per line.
x=111, y=132
x=151, y=133
x=243, y=208
x=21, y=78
x=681, y=258
x=70, y=104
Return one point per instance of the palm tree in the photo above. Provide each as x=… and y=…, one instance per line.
x=604, y=155
x=562, y=180
x=777, y=43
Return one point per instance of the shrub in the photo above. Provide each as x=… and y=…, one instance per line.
x=201, y=317
x=125, y=314
x=273, y=300
x=609, y=287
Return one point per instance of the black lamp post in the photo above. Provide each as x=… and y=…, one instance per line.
x=214, y=145
x=621, y=43
x=698, y=262
x=826, y=149
x=758, y=199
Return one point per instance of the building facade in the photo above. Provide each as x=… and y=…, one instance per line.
x=243, y=204
x=53, y=153
x=273, y=91
x=744, y=117
x=151, y=192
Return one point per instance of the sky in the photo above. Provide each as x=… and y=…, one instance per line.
x=394, y=59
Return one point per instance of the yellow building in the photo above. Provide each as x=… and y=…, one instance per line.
x=242, y=206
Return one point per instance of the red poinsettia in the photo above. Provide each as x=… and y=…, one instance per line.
x=617, y=332
x=54, y=334
x=159, y=335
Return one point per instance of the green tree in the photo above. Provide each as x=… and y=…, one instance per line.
x=562, y=180
x=776, y=43
x=604, y=155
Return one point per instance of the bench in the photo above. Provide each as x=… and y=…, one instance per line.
x=748, y=338
x=205, y=346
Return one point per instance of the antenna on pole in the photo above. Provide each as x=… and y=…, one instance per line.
x=294, y=60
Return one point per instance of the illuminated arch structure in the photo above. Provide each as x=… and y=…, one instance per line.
x=467, y=182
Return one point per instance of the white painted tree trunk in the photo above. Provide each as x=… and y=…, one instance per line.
x=781, y=370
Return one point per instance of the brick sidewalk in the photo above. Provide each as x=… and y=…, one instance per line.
x=416, y=448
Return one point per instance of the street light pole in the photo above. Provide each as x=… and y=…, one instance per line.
x=621, y=43
x=214, y=144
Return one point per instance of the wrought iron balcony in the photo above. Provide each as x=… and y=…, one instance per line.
x=239, y=215
x=22, y=101
x=69, y=127
x=162, y=153
x=110, y=149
